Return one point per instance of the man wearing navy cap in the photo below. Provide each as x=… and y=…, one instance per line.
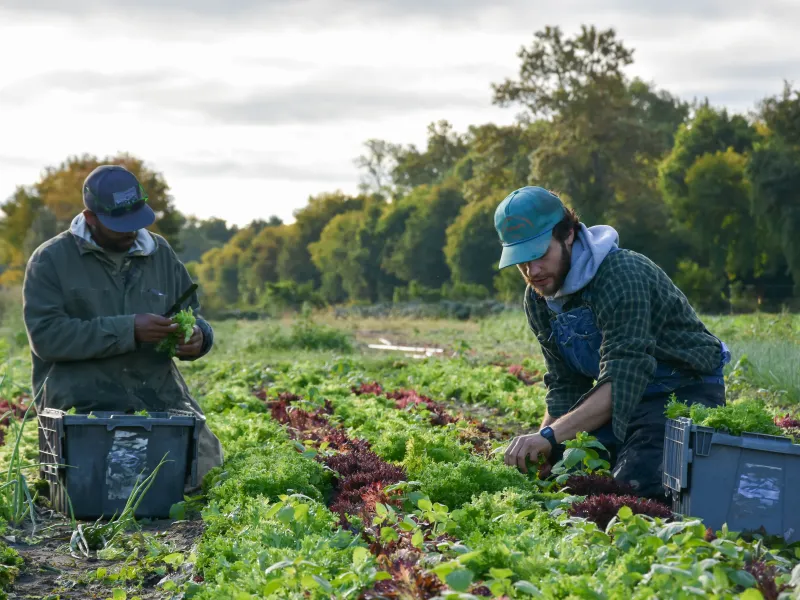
x=94, y=297
x=618, y=339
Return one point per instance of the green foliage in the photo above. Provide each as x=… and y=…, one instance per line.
x=198, y=236
x=186, y=322
x=456, y=484
x=275, y=468
x=414, y=168
x=305, y=556
x=348, y=254
x=774, y=170
x=701, y=285
x=471, y=248
x=417, y=253
x=288, y=295
x=11, y=564
x=305, y=334
x=734, y=418
x=294, y=259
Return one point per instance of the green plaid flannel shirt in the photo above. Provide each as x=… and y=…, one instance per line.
x=644, y=319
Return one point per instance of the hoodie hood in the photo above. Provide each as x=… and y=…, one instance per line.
x=144, y=246
x=591, y=246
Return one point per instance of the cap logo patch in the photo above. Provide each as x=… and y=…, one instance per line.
x=125, y=197
x=516, y=228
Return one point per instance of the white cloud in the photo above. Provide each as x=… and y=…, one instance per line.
x=249, y=107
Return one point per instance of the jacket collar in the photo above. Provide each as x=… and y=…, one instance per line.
x=145, y=242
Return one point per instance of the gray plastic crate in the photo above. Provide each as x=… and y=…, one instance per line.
x=106, y=454
x=748, y=481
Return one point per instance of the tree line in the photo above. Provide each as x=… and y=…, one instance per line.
x=710, y=196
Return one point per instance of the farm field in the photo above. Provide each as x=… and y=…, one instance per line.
x=353, y=472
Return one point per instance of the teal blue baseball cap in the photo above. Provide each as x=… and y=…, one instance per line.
x=524, y=221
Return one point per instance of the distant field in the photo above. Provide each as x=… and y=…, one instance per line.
x=770, y=343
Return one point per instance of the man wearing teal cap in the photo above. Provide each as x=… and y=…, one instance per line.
x=618, y=339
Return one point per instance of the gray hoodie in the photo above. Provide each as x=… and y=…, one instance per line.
x=591, y=246
x=145, y=244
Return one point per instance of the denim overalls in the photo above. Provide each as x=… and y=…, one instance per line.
x=578, y=339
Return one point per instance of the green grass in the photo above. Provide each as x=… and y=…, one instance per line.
x=770, y=343
x=773, y=365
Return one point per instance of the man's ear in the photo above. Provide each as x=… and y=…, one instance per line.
x=90, y=217
x=570, y=238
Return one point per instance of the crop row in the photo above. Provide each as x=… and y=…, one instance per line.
x=329, y=491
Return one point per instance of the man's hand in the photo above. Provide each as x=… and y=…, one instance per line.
x=150, y=328
x=533, y=445
x=193, y=347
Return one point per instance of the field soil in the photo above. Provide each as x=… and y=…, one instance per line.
x=51, y=571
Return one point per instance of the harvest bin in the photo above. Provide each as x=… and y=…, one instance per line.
x=748, y=481
x=98, y=459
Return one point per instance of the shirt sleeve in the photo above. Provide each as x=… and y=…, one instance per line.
x=623, y=313
x=564, y=385
x=53, y=335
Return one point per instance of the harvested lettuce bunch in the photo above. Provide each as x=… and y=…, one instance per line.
x=735, y=418
x=186, y=322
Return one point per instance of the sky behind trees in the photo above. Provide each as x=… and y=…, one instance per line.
x=249, y=107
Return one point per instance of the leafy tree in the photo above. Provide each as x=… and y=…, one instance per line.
x=602, y=129
x=258, y=262
x=218, y=276
x=377, y=165
x=417, y=255
x=702, y=286
x=497, y=161
x=711, y=130
x=706, y=181
x=716, y=209
x=347, y=254
x=774, y=169
x=44, y=227
x=219, y=273
x=473, y=247
x=659, y=112
x=199, y=236
x=510, y=286
x=294, y=260
x=558, y=76
x=414, y=168
x=21, y=211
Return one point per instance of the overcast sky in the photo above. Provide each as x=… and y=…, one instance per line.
x=248, y=107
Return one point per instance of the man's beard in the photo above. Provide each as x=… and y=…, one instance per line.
x=113, y=245
x=558, y=279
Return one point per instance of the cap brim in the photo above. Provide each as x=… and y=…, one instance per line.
x=144, y=217
x=525, y=251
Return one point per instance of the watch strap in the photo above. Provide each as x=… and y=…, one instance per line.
x=547, y=433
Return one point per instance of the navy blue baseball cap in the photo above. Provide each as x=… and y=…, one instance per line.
x=114, y=194
x=524, y=221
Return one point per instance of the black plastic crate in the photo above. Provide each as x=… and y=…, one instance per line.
x=748, y=481
x=97, y=460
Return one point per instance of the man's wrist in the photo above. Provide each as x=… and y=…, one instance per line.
x=548, y=434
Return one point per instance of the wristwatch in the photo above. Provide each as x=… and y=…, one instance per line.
x=547, y=433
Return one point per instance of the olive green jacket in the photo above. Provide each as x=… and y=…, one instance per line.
x=79, y=309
